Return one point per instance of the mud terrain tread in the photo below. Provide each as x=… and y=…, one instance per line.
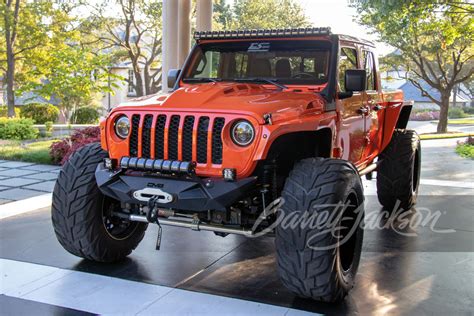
x=76, y=215
x=311, y=273
x=395, y=173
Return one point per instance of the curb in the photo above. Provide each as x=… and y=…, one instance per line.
x=25, y=206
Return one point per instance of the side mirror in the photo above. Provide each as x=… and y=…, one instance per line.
x=173, y=75
x=355, y=80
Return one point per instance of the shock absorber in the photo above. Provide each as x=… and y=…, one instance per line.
x=269, y=183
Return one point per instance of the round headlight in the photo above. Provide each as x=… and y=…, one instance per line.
x=122, y=127
x=242, y=133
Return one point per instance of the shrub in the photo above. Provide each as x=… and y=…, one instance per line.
x=60, y=151
x=469, y=110
x=466, y=148
x=85, y=115
x=40, y=112
x=48, y=129
x=80, y=135
x=17, y=128
x=424, y=115
x=456, y=113
x=4, y=111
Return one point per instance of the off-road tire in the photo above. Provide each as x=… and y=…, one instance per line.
x=398, y=174
x=77, y=211
x=310, y=260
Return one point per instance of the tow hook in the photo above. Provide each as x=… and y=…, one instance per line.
x=152, y=217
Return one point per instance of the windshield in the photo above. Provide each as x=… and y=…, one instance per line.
x=285, y=62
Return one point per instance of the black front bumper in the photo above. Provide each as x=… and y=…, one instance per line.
x=188, y=194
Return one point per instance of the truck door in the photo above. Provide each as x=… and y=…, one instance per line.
x=352, y=114
x=374, y=105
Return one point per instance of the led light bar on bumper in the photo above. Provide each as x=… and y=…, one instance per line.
x=158, y=165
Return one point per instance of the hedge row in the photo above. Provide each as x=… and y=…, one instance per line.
x=41, y=113
x=17, y=128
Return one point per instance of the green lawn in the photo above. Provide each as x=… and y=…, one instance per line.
x=465, y=150
x=461, y=121
x=465, y=121
x=446, y=135
x=37, y=152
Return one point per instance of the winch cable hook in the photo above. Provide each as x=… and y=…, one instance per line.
x=152, y=217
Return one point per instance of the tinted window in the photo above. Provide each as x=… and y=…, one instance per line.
x=347, y=60
x=369, y=68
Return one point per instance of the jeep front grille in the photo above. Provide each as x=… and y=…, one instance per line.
x=177, y=137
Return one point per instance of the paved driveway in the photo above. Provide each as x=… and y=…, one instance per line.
x=21, y=180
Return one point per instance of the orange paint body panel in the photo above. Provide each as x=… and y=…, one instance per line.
x=291, y=112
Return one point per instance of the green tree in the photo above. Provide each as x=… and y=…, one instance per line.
x=222, y=14
x=132, y=34
x=434, y=42
x=24, y=30
x=75, y=76
x=251, y=14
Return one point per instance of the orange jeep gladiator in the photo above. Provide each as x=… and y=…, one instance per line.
x=262, y=127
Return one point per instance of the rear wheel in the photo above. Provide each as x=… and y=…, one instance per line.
x=83, y=218
x=315, y=259
x=398, y=174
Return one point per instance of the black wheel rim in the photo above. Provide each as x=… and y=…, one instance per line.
x=116, y=227
x=348, y=242
x=416, y=172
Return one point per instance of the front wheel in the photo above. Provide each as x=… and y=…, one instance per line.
x=319, y=236
x=83, y=218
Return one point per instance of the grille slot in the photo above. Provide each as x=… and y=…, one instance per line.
x=187, y=142
x=134, y=135
x=173, y=137
x=203, y=125
x=146, y=136
x=160, y=137
x=217, y=140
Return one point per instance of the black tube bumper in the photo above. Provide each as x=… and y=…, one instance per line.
x=187, y=194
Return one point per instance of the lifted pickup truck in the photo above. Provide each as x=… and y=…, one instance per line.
x=261, y=126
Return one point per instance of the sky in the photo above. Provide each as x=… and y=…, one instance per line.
x=340, y=17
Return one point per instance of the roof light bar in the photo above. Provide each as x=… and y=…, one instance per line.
x=262, y=33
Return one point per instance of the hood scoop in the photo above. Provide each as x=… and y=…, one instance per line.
x=236, y=88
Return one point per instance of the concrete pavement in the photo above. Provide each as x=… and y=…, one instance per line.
x=22, y=180
x=427, y=127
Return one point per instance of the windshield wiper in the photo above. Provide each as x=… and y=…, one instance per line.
x=200, y=80
x=279, y=85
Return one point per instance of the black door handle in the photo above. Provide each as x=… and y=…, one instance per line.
x=363, y=110
x=377, y=107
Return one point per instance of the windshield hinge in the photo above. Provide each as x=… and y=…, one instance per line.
x=267, y=117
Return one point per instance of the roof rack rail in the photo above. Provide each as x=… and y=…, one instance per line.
x=262, y=33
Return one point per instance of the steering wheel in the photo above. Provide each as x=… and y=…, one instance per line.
x=303, y=75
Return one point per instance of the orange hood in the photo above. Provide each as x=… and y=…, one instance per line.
x=237, y=98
